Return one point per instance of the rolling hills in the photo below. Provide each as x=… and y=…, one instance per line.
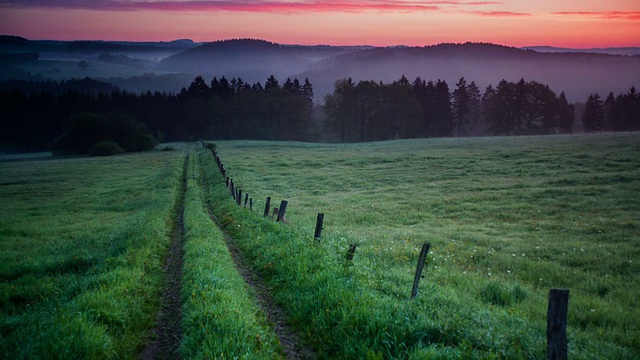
x=170, y=65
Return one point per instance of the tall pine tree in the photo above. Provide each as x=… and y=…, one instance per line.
x=593, y=116
x=461, y=108
x=566, y=116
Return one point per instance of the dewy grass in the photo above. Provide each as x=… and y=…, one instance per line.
x=508, y=219
x=335, y=304
x=82, y=242
x=221, y=320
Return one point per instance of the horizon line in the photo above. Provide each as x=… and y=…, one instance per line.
x=324, y=44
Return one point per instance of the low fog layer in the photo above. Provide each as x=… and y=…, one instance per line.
x=169, y=66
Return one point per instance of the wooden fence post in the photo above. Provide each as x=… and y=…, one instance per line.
x=351, y=251
x=282, y=211
x=251, y=204
x=267, y=206
x=319, y=222
x=239, y=198
x=421, y=261
x=246, y=199
x=557, y=324
x=232, y=189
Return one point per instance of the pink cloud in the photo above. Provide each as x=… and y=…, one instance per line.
x=275, y=6
x=624, y=15
x=500, y=14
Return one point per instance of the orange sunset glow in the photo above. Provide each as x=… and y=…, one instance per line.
x=586, y=23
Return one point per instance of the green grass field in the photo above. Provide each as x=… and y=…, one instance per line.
x=508, y=219
x=221, y=319
x=83, y=242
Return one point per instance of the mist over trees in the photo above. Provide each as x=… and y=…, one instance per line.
x=370, y=111
x=238, y=110
x=367, y=110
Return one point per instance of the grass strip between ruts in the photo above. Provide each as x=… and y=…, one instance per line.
x=220, y=316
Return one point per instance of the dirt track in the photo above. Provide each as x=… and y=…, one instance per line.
x=167, y=334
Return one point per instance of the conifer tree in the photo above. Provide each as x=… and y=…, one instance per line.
x=566, y=116
x=593, y=116
x=475, y=109
x=461, y=108
x=610, y=118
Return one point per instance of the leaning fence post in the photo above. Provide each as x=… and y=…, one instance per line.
x=251, y=204
x=282, y=211
x=319, y=222
x=351, y=251
x=421, y=261
x=267, y=206
x=557, y=324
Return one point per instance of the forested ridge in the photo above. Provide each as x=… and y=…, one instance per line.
x=38, y=113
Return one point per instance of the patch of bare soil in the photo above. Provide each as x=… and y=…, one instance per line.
x=167, y=334
x=293, y=347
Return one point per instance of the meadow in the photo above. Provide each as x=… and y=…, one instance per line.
x=83, y=242
x=221, y=319
x=508, y=219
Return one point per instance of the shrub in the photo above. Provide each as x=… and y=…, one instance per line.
x=106, y=148
x=85, y=130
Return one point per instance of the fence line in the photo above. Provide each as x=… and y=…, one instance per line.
x=558, y=298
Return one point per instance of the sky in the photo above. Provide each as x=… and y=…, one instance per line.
x=562, y=23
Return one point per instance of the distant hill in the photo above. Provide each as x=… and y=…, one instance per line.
x=164, y=66
x=12, y=40
x=75, y=49
x=578, y=74
x=253, y=60
x=610, y=50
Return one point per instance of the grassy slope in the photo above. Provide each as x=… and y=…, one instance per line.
x=508, y=219
x=221, y=320
x=81, y=242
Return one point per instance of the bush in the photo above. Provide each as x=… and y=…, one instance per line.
x=106, y=148
x=86, y=130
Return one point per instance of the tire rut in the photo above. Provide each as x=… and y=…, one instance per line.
x=293, y=348
x=167, y=334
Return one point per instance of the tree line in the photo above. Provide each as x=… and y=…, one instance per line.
x=380, y=111
x=616, y=113
x=37, y=113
